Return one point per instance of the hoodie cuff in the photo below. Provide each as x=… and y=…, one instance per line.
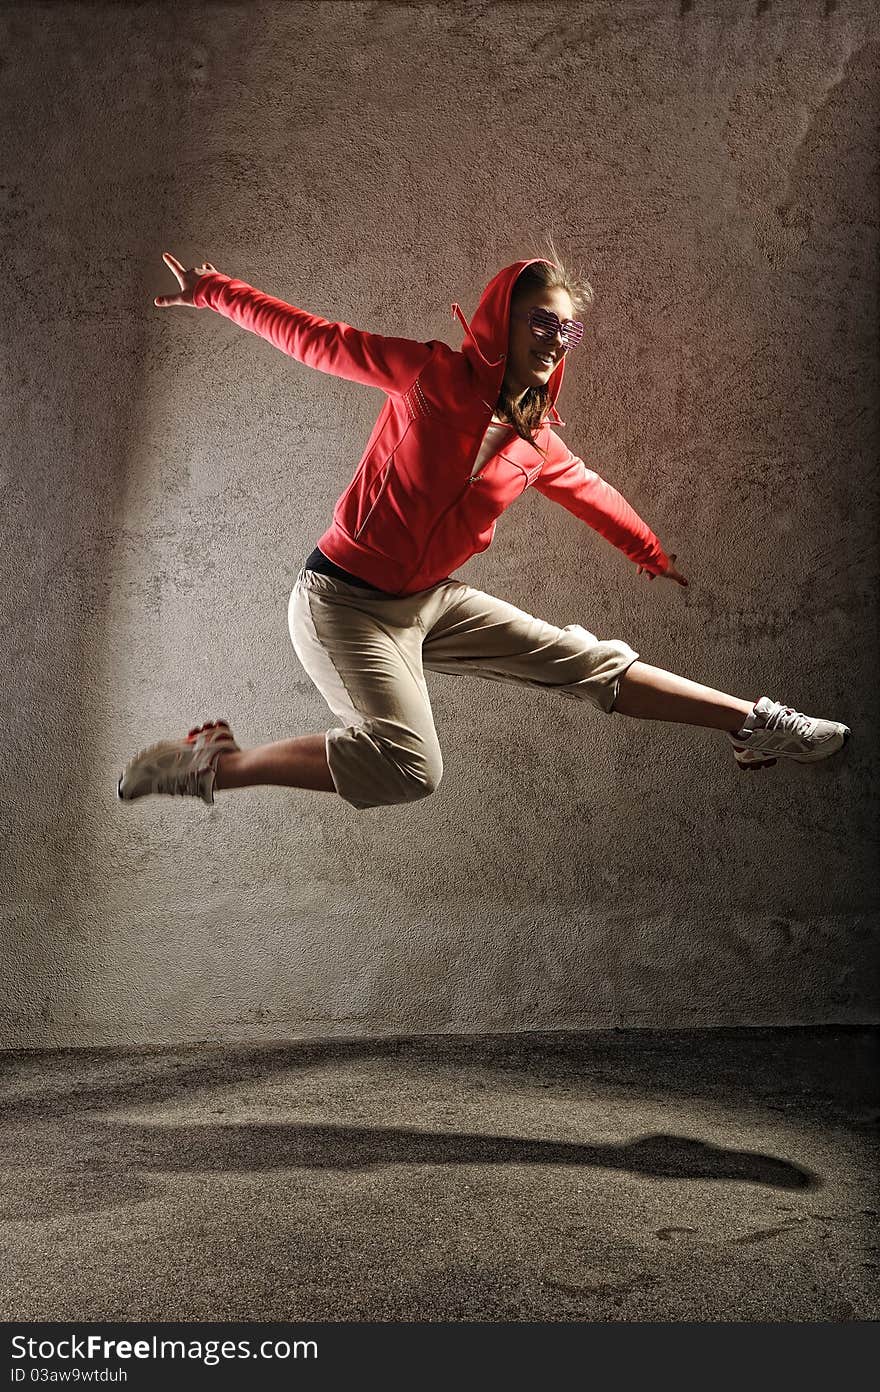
x=658, y=564
x=210, y=281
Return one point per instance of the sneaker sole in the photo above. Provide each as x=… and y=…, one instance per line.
x=756, y=760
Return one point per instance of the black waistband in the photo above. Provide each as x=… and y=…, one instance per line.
x=318, y=561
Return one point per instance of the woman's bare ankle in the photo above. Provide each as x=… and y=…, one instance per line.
x=225, y=768
x=293, y=763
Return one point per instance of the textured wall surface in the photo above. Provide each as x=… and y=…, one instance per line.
x=712, y=167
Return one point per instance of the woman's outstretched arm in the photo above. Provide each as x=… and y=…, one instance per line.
x=391, y=364
x=566, y=479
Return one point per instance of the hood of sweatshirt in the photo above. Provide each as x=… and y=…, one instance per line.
x=486, y=337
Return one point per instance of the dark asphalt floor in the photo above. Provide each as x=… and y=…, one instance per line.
x=626, y=1175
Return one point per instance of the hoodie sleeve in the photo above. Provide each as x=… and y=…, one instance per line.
x=392, y=364
x=566, y=479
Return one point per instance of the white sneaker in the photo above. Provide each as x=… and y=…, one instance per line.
x=773, y=731
x=178, y=766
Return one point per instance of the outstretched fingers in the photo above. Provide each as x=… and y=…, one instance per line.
x=187, y=280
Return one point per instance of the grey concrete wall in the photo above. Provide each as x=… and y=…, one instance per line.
x=712, y=168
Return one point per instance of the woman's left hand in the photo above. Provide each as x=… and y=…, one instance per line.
x=670, y=574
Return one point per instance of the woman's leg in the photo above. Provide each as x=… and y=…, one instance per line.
x=369, y=670
x=365, y=658
x=650, y=693
x=363, y=650
x=474, y=632
x=487, y=636
x=645, y=692
x=291, y=763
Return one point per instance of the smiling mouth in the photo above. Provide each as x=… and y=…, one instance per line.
x=545, y=359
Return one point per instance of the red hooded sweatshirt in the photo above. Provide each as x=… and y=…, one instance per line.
x=413, y=513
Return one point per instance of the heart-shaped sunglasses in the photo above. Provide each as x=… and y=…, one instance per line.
x=545, y=325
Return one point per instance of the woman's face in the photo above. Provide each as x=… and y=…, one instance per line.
x=530, y=361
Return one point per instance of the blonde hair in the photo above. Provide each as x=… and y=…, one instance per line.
x=528, y=415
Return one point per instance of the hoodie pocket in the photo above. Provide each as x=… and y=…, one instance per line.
x=382, y=480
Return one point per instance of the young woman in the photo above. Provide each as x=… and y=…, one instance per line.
x=459, y=437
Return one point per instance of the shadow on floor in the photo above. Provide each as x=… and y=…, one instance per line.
x=624, y=1175
x=246, y=1147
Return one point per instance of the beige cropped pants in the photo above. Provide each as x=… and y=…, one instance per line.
x=367, y=651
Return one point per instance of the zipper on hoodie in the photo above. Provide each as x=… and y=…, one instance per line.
x=526, y=473
x=472, y=478
x=456, y=500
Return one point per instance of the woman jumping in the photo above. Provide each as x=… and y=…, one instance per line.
x=459, y=437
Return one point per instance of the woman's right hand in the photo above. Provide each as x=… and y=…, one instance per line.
x=670, y=574
x=187, y=280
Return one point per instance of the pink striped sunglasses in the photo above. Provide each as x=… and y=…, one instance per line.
x=545, y=325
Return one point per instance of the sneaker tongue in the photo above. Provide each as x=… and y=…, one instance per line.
x=759, y=713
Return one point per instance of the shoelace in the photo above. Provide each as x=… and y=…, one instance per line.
x=792, y=721
x=174, y=783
